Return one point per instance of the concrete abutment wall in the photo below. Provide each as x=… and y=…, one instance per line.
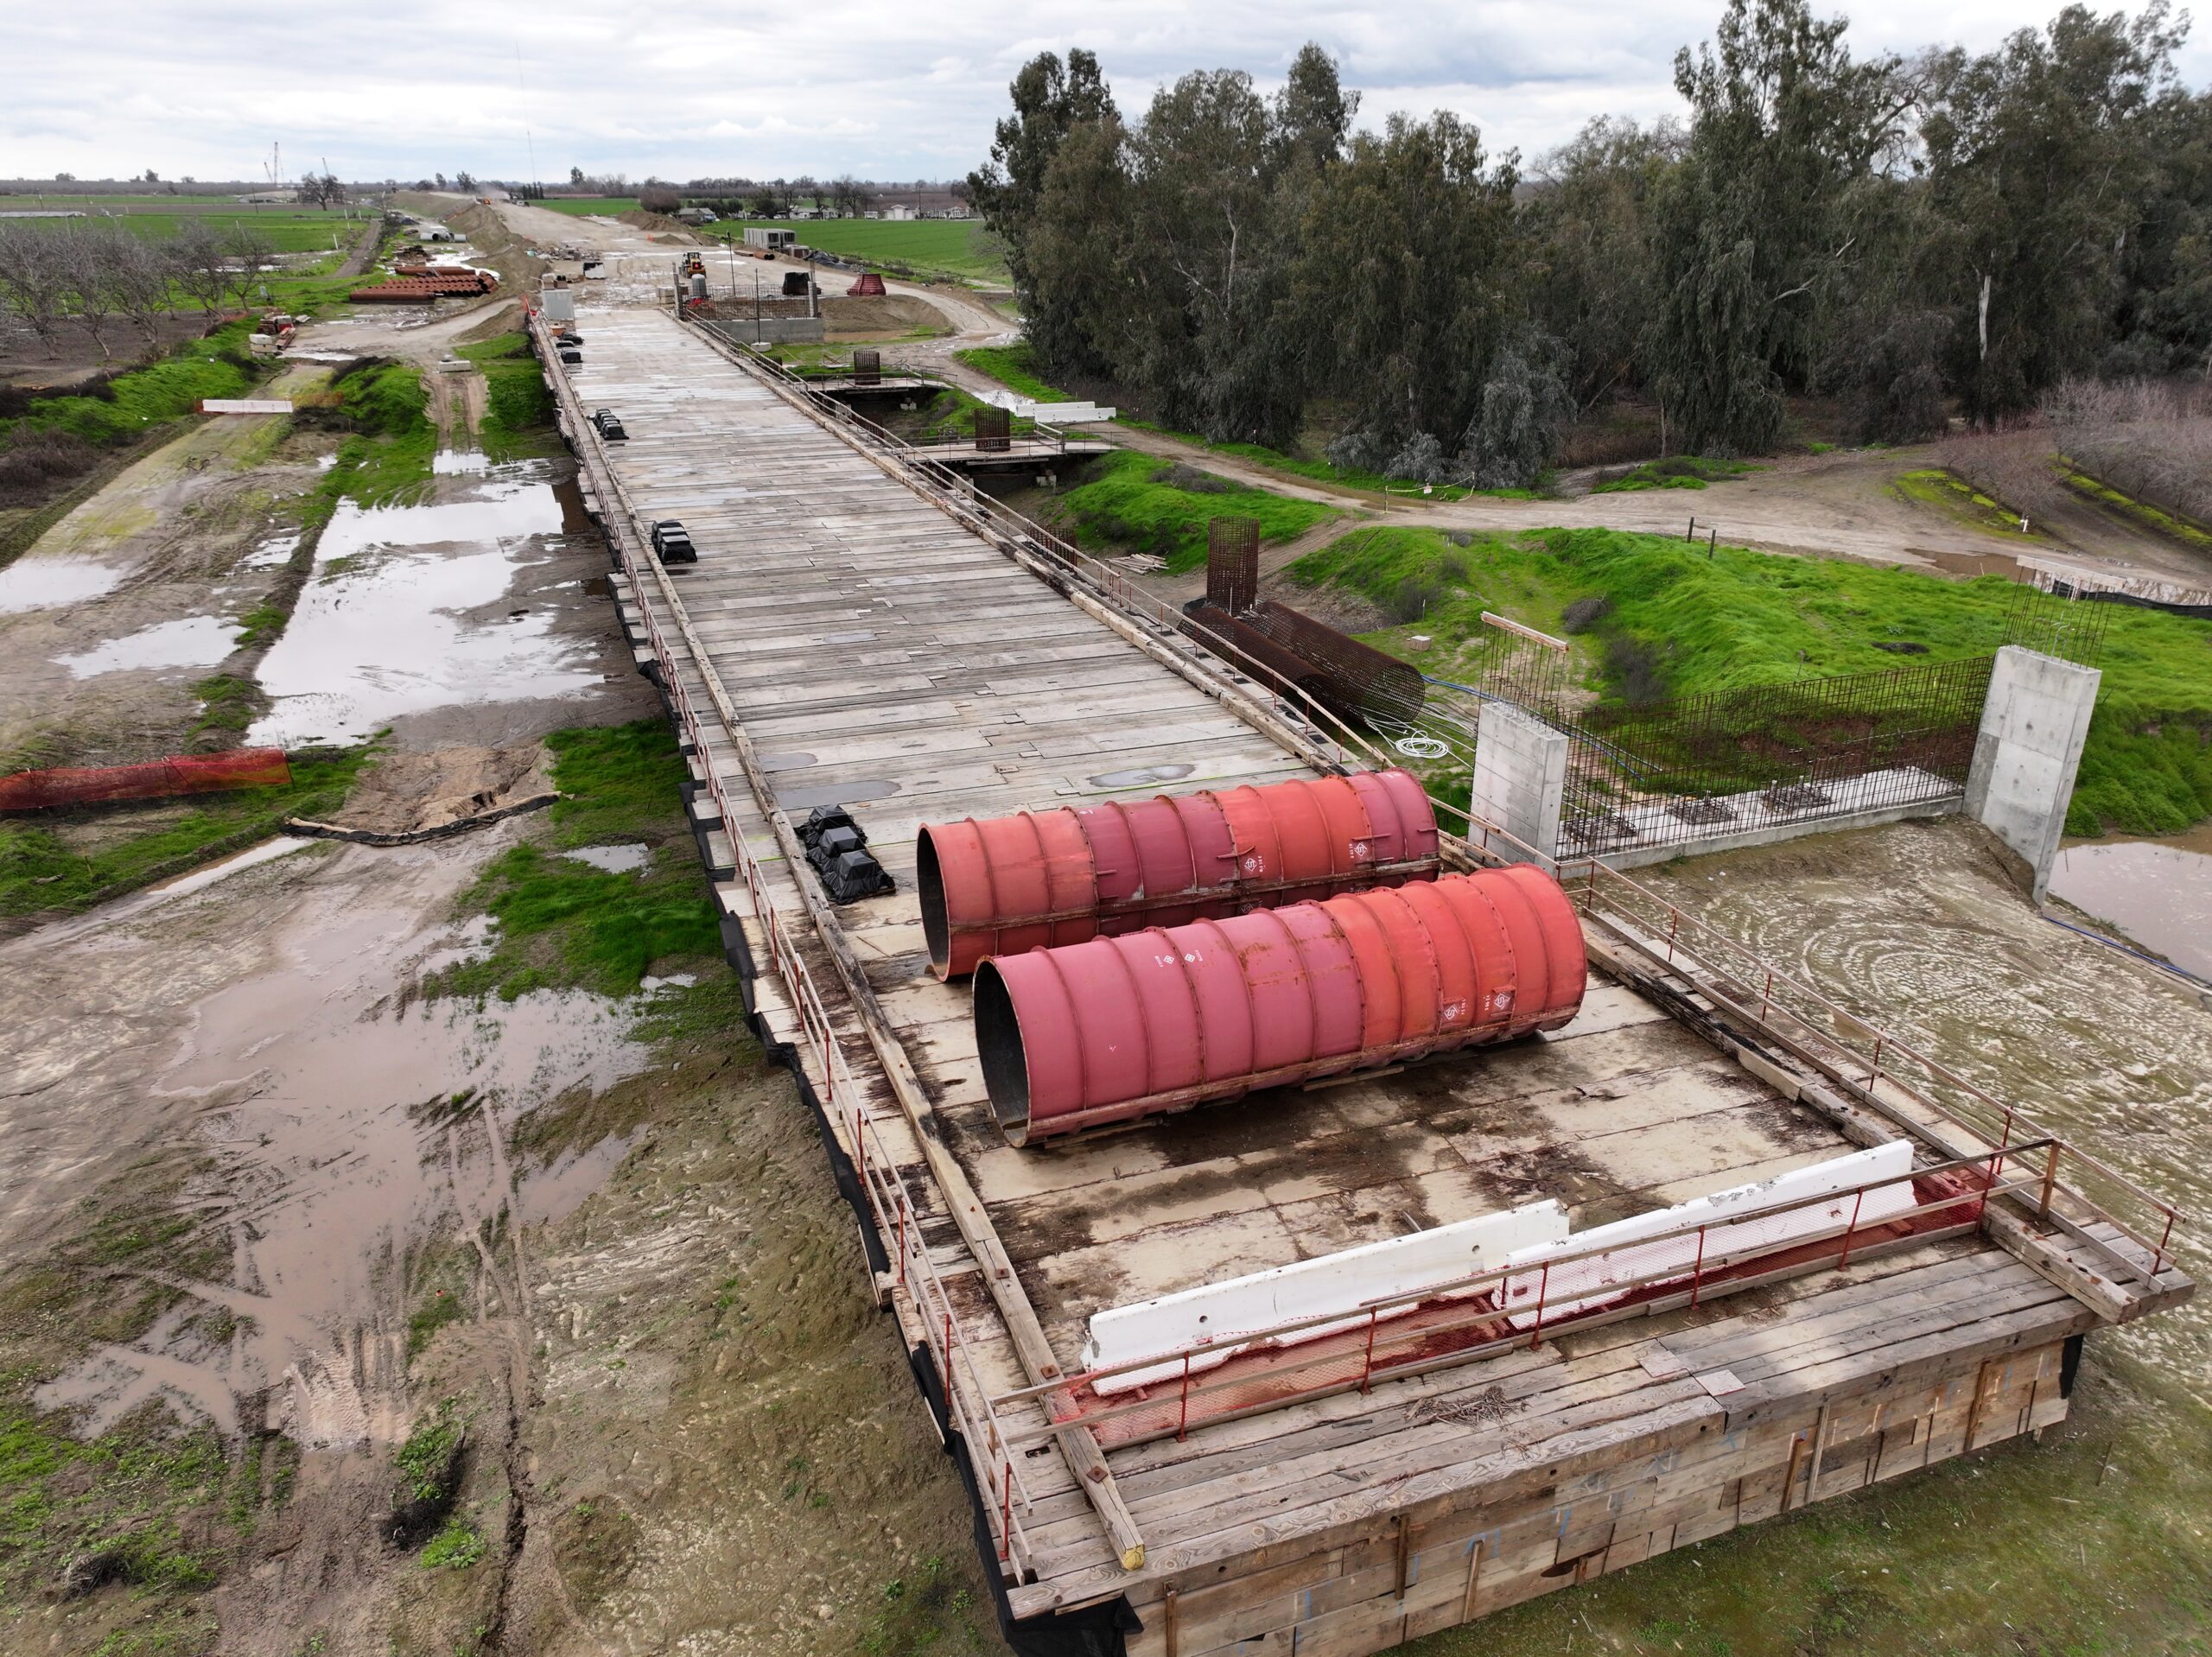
x=2030, y=747
x=1519, y=777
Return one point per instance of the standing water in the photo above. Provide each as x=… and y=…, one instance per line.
x=391, y=622
x=2157, y=891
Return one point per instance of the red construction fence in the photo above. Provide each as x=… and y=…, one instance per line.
x=197, y=773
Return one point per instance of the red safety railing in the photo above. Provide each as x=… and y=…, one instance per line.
x=897, y=1210
x=1485, y=1313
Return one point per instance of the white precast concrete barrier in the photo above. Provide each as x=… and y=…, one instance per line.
x=1519, y=777
x=1214, y=1322
x=1744, y=1217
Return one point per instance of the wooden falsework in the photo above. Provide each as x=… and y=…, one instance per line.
x=900, y=651
x=1082, y=1449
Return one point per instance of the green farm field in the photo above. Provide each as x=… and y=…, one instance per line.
x=289, y=229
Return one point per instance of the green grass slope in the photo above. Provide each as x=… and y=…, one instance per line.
x=1677, y=623
x=1137, y=503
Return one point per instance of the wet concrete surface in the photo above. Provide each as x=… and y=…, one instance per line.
x=1919, y=928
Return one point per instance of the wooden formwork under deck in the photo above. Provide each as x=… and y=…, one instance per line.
x=845, y=639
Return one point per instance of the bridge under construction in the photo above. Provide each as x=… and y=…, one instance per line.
x=1723, y=1248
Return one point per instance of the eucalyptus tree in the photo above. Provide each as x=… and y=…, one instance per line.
x=1749, y=243
x=2040, y=160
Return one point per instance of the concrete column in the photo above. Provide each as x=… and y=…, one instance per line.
x=2032, y=728
x=1520, y=776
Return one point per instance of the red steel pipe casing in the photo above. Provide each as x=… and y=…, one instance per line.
x=1003, y=885
x=1161, y=1020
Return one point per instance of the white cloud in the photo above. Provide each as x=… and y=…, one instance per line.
x=406, y=87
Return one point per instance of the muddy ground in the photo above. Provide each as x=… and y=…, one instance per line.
x=342, y=1312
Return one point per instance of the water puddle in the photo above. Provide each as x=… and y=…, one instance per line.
x=548, y=1194
x=277, y=548
x=615, y=859
x=359, y=1128
x=452, y=462
x=382, y=630
x=42, y=583
x=2157, y=891
x=186, y=642
x=855, y=792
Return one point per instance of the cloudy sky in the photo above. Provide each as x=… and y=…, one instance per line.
x=402, y=88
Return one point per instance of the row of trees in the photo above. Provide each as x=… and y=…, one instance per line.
x=1904, y=234
x=98, y=274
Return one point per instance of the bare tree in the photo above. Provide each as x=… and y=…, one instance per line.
x=34, y=277
x=139, y=278
x=465, y=181
x=249, y=253
x=322, y=190
x=198, y=261
x=89, y=255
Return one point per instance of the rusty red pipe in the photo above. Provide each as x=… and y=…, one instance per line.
x=1161, y=1020
x=196, y=773
x=1003, y=885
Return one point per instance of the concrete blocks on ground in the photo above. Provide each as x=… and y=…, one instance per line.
x=2028, y=750
x=1519, y=777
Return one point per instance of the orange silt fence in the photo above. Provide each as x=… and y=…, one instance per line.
x=155, y=779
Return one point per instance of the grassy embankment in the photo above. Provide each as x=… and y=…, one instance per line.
x=518, y=408
x=1136, y=503
x=95, y=435
x=1956, y=497
x=1675, y=472
x=1015, y=367
x=1658, y=619
x=2157, y=519
x=564, y=924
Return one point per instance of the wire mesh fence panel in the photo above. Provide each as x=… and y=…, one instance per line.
x=1721, y=764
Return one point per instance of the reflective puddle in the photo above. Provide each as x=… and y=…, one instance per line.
x=615, y=859
x=40, y=583
x=188, y=642
x=2158, y=891
x=384, y=628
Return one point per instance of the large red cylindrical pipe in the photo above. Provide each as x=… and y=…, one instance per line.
x=1170, y=1016
x=196, y=773
x=1003, y=885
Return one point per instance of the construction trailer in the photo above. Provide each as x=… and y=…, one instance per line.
x=769, y=239
x=1347, y=1335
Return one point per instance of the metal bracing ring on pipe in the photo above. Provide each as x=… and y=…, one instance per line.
x=1142, y=1022
x=1002, y=884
